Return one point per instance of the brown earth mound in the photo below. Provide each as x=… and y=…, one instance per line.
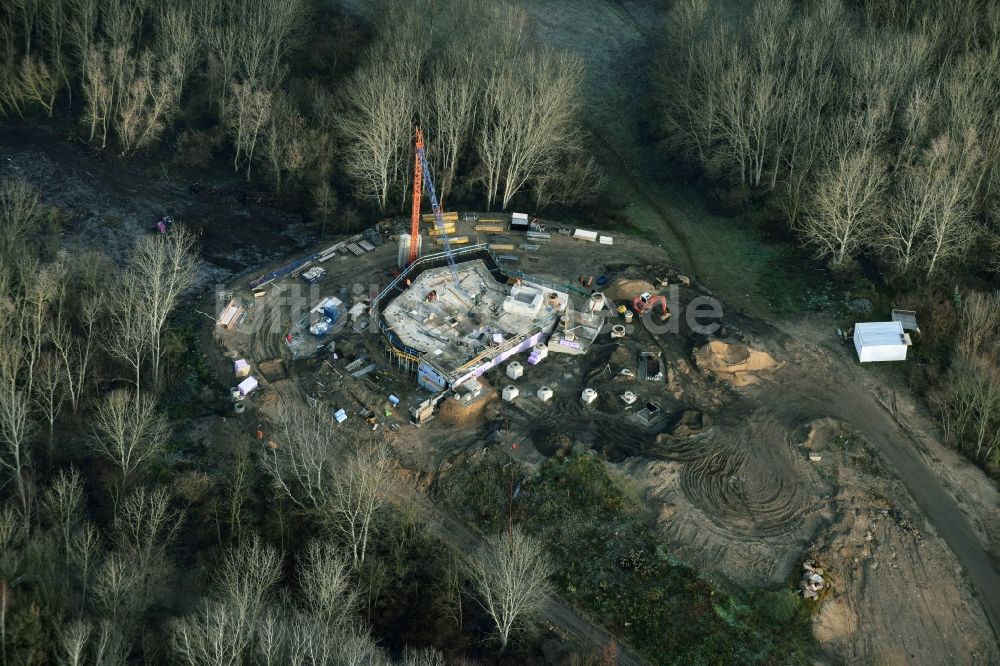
x=456, y=413
x=736, y=363
x=690, y=422
x=626, y=290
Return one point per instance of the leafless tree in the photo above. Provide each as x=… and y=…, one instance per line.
x=979, y=325
x=847, y=197
x=424, y=657
x=238, y=492
x=290, y=146
x=574, y=179
x=270, y=28
x=510, y=575
x=116, y=586
x=377, y=126
x=177, y=44
x=548, y=109
x=38, y=83
x=222, y=631
x=301, y=463
x=127, y=93
x=951, y=228
x=15, y=431
x=73, y=641
x=44, y=291
x=453, y=92
x=247, y=112
x=165, y=266
x=62, y=504
x=970, y=398
x=247, y=42
x=324, y=203
x=127, y=430
x=85, y=551
x=126, y=338
x=145, y=524
x=75, y=353
x=360, y=489
x=324, y=577
x=20, y=205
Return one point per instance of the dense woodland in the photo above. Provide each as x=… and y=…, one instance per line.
x=287, y=85
x=866, y=128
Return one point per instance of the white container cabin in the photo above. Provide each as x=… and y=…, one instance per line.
x=881, y=341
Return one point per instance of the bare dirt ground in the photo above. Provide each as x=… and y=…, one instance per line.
x=744, y=501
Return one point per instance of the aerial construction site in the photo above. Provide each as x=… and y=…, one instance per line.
x=500, y=332
x=449, y=332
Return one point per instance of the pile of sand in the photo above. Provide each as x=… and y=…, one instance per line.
x=456, y=413
x=626, y=290
x=736, y=363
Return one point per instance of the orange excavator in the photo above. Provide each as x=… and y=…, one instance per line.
x=645, y=302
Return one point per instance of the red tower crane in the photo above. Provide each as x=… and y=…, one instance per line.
x=422, y=175
x=417, y=194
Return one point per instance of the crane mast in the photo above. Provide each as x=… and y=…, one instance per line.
x=421, y=168
x=417, y=193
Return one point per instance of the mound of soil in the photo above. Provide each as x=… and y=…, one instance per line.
x=621, y=357
x=626, y=290
x=454, y=412
x=734, y=362
x=690, y=422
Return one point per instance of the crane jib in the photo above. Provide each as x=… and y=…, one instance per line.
x=438, y=218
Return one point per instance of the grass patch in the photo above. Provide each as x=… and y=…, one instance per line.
x=612, y=564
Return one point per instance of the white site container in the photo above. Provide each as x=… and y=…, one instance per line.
x=880, y=341
x=510, y=392
x=588, y=396
x=544, y=394
x=515, y=370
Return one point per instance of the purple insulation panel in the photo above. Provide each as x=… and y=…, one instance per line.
x=525, y=345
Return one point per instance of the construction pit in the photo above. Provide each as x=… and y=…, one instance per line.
x=734, y=439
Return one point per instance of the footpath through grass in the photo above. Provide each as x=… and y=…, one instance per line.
x=609, y=562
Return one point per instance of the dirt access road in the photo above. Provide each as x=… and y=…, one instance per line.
x=844, y=401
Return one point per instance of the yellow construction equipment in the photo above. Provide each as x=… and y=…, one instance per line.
x=454, y=240
x=447, y=217
x=447, y=229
